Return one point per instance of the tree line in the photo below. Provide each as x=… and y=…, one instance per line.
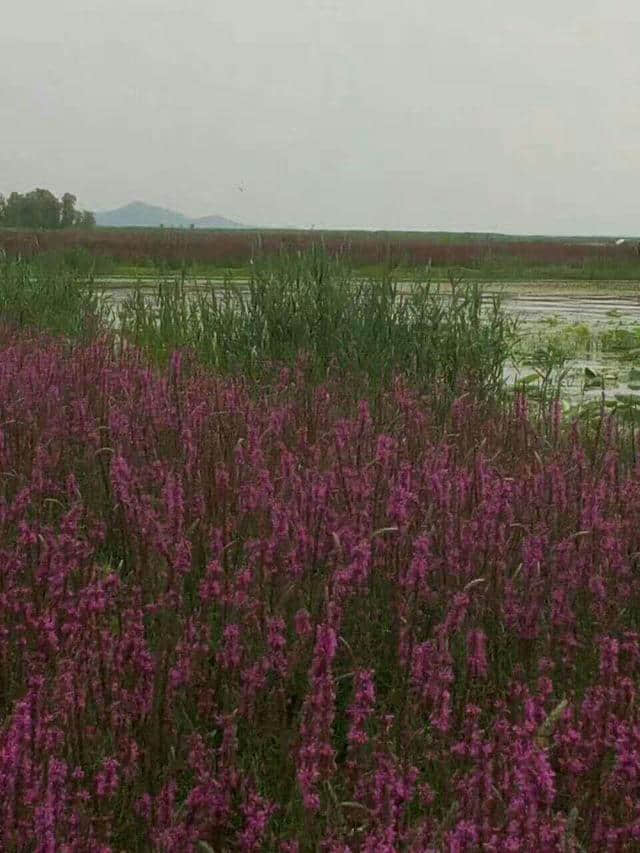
x=41, y=209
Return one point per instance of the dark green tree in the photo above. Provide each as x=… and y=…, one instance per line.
x=69, y=213
x=15, y=212
x=86, y=219
x=42, y=209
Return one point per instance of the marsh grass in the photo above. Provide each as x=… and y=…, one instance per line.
x=313, y=304
x=481, y=256
x=49, y=296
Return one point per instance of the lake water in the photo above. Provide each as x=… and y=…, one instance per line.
x=598, y=331
x=591, y=308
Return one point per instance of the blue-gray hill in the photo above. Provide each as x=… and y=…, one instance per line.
x=141, y=215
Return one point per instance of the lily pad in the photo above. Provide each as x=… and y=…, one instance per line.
x=594, y=381
x=628, y=399
x=527, y=380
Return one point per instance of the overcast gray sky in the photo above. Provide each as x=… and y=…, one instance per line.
x=484, y=114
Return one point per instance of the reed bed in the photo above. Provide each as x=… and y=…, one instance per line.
x=486, y=256
x=49, y=296
x=312, y=307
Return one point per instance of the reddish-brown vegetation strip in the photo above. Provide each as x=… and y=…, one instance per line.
x=229, y=248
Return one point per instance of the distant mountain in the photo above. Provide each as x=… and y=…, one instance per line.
x=141, y=215
x=215, y=222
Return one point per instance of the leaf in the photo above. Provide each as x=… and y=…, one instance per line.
x=527, y=380
x=543, y=735
x=473, y=583
x=384, y=530
x=593, y=381
x=628, y=399
x=353, y=805
x=630, y=415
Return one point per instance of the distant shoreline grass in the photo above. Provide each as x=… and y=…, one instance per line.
x=548, y=274
x=141, y=252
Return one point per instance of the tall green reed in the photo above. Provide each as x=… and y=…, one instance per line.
x=50, y=296
x=314, y=304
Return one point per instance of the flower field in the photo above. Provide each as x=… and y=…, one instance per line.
x=240, y=617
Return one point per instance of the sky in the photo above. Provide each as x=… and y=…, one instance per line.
x=489, y=115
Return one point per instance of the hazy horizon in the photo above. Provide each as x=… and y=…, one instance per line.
x=470, y=229
x=377, y=115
